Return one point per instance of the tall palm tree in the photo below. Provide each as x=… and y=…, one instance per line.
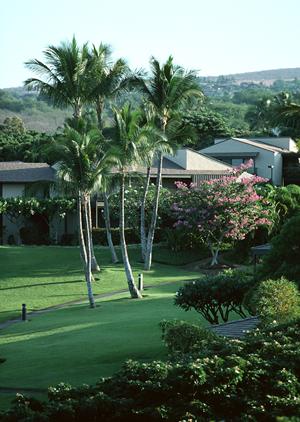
x=62, y=77
x=129, y=139
x=106, y=78
x=82, y=163
x=166, y=89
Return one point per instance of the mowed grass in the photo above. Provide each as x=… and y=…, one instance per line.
x=45, y=276
x=80, y=345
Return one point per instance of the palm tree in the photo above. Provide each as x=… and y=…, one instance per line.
x=105, y=78
x=129, y=139
x=82, y=163
x=62, y=77
x=166, y=89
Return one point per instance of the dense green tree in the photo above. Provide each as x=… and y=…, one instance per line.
x=208, y=125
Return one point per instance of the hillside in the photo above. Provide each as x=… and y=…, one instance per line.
x=265, y=76
x=35, y=112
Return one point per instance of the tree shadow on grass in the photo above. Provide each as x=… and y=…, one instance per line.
x=42, y=284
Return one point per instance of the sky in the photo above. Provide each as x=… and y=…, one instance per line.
x=213, y=37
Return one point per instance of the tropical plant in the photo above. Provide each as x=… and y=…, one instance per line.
x=62, y=77
x=129, y=139
x=284, y=256
x=275, y=300
x=215, y=296
x=221, y=209
x=83, y=161
x=106, y=78
x=166, y=89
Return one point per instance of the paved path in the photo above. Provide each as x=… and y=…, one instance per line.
x=32, y=314
x=235, y=329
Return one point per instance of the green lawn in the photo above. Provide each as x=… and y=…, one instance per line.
x=45, y=276
x=80, y=345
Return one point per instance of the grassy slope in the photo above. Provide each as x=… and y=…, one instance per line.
x=80, y=345
x=46, y=276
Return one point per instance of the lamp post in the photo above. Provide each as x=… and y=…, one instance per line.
x=271, y=167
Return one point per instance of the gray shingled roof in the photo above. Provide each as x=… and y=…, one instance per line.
x=19, y=172
x=235, y=329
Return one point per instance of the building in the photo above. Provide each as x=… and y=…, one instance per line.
x=18, y=179
x=187, y=166
x=33, y=179
x=268, y=154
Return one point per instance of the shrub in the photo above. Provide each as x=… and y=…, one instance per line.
x=284, y=257
x=258, y=382
x=215, y=296
x=274, y=300
x=181, y=337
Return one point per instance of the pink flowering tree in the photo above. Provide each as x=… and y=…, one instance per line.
x=224, y=209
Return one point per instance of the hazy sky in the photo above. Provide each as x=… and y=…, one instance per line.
x=212, y=36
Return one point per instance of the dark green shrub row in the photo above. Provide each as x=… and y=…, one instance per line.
x=256, y=379
x=216, y=296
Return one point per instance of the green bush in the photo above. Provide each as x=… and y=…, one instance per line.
x=284, y=256
x=277, y=300
x=215, y=296
x=181, y=337
x=255, y=379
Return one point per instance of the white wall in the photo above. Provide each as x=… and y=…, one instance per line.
x=261, y=161
x=192, y=160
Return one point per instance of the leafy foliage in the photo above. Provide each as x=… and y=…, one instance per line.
x=221, y=209
x=183, y=338
x=252, y=379
x=215, y=297
x=284, y=256
x=275, y=300
x=19, y=144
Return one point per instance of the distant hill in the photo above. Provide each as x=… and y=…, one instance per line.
x=35, y=112
x=265, y=76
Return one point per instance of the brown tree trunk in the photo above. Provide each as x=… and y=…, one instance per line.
x=134, y=292
x=114, y=256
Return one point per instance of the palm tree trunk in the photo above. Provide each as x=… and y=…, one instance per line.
x=114, y=257
x=148, y=258
x=85, y=249
x=143, y=207
x=99, y=111
x=134, y=292
x=95, y=266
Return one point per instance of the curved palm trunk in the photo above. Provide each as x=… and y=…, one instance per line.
x=151, y=232
x=134, y=292
x=95, y=266
x=84, y=241
x=143, y=207
x=114, y=257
